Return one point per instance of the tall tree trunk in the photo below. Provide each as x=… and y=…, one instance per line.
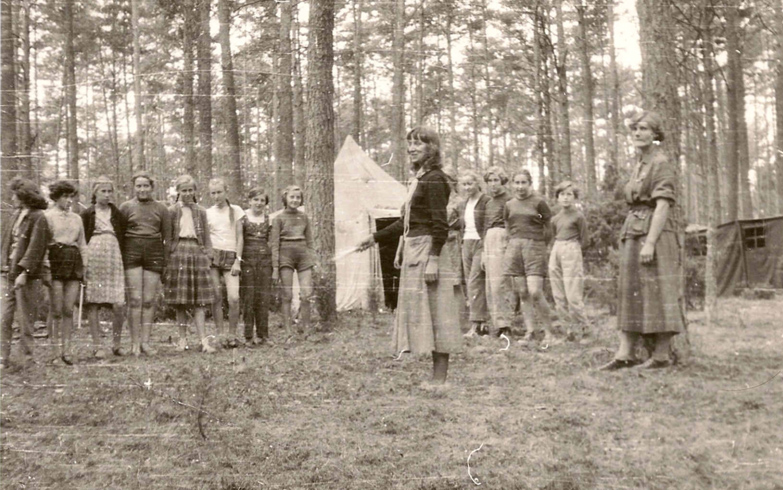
x=476, y=128
x=538, y=74
x=399, y=146
x=562, y=86
x=779, y=108
x=418, y=102
x=319, y=186
x=588, y=92
x=611, y=173
x=453, y=147
x=204, y=53
x=234, y=151
x=714, y=213
x=70, y=93
x=733, y=84
x=137, y=96
x=358, y=60
x=25, y=129
x=8, y=98
x=299, y=103
x=488, y=82
x=189, y=32
x=284, y=133
x=659, y=92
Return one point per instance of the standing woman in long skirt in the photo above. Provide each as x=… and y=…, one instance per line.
x=68, y=257
x=104, y=227
x=147, y=236
x=427, y=311
x=650, y=300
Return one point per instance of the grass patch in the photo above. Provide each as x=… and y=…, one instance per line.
x=335, y=411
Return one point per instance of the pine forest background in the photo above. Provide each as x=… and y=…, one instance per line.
x=264, y=92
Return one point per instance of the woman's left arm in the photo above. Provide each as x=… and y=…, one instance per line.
x=236, y=268
x=660, y=215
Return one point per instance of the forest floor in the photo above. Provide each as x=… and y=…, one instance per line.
x=336, y=411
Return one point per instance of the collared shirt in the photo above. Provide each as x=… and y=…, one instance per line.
x=186, y=227
x=471, y=233
x=653, y=178
x=66, y=227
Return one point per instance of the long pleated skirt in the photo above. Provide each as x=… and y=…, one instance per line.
x=650, y=295
x=427, y=314
x=105, y=275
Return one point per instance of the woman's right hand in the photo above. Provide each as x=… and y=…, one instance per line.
x=21, y=280
x=275, y=275
x=365, y=244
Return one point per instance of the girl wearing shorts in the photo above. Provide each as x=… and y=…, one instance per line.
x=527, y=218
x=292, y=250
x=188, y=280
x=256, y=267
x=145, y=255
x=104, y=226
x=67, y=256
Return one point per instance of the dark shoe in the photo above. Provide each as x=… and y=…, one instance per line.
x=504, y=331
x=654, y=364
x=616, y=364
x=483, y=330
x=68, y=360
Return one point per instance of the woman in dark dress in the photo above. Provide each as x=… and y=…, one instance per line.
x=649, y=289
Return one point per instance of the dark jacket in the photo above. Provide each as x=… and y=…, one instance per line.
x=31, y=249
x=5, y=248
x=479, y=213
x=199, y=223
x=117, y=222
x=428, y=212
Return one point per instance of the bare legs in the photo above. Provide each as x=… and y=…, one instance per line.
x=64, y=294
x=305, y=296
x=142, y=290
x=232, y=291
x=199, y=313
x=118, y=316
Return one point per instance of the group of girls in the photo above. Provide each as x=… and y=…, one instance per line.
x=127, y=251
x=505, y=237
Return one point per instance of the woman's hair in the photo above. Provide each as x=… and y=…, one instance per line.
x=469, y=174
x=653, y=119
x=219, y=181
x=524, y=172
x=100, y=181
x=258, y=191
x=61, y=188
x=566, y=184
x=496, y=170
x=28, y=193
x=289, y=189
x=429, y=137
x=185, y=179
x=144, y=175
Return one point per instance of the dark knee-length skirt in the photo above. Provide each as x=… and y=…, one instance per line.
x=650, y=295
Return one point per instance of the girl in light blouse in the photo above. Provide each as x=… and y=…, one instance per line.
x=67, y=256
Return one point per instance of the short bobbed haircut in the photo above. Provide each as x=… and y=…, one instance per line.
x=524, y=172
x=566, y=184
x=288, y=190
x=653, y=119
x=61, y=188
x=499, y=172
x=258, y=191
x=143, y=175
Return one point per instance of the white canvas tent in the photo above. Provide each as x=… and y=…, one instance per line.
x=363, y=193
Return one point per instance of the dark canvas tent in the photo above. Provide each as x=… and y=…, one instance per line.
x=749, y=254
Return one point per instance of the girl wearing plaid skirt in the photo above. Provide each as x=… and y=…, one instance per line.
x=189, y=283
x=104, y=226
